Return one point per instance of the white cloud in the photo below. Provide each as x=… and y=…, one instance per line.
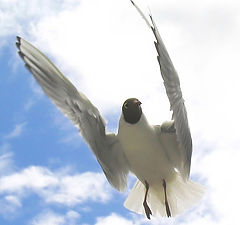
x=69, y=133
x=221, y=167
x=13, y=200
x=33, y=178
x=72, y=216
x=48, y=218
x=9, y=206
x=56, y=187
x=36, y=96
x=29, y=103
x=37, y=90
x=113, y=219
x=18, y=16
x=16, y=132
x=51, y=218
x=80, y=188
x=132, y=220
x=6, y=161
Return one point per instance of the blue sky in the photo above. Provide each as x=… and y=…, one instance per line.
x=47, y=173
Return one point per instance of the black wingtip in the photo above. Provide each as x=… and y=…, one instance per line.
x=151, y=18
x=18, y=39
x=21, y=54
x=18, y=45
x=132, y=2
x=28, y=68
x=18, y=42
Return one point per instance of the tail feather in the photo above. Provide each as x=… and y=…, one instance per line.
x=182, y=195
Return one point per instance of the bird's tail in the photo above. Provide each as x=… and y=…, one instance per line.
x=181, y=196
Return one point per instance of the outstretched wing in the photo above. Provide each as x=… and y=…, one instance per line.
x=80, y=111
x=174, y=93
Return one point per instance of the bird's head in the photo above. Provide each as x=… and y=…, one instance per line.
x=132, y=110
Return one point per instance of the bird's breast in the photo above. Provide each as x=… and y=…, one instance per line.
x=143, y=150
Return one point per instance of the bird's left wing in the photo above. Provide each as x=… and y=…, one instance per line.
x=174, y=93
x=77, y=107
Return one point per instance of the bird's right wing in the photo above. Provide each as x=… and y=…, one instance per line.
x=174, y=93
x=80, y=111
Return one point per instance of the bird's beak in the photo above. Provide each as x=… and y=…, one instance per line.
x=138, y=103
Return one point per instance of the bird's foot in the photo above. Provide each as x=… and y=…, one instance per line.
x=168, y=209
x=166, y=201
x=147, y=210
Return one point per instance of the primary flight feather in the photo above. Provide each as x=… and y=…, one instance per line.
x=160, y=156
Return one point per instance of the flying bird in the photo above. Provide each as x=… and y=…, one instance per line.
x=159, y=155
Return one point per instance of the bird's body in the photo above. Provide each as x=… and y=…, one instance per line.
x=144, y=151
x=151, y=152
x=159, y=156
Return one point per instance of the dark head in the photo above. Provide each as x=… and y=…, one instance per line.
x=132, y=110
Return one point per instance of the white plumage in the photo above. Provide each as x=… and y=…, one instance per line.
x=182, y=195
x=147, y=150
x=144, y=151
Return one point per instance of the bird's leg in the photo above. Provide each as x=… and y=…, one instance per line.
x=166, y=201
x=145, y=205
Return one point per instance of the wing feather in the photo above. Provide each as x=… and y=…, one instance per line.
x=174, y=93
x=76, y=106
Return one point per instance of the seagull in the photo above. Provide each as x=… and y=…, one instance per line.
x=159, y=155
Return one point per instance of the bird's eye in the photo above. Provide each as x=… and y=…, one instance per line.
x=125, y=105
x=138, y=103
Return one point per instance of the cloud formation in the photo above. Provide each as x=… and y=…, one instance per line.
x=16, y=132
x=51, y=218
x=56, y=187
x=14, y=13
